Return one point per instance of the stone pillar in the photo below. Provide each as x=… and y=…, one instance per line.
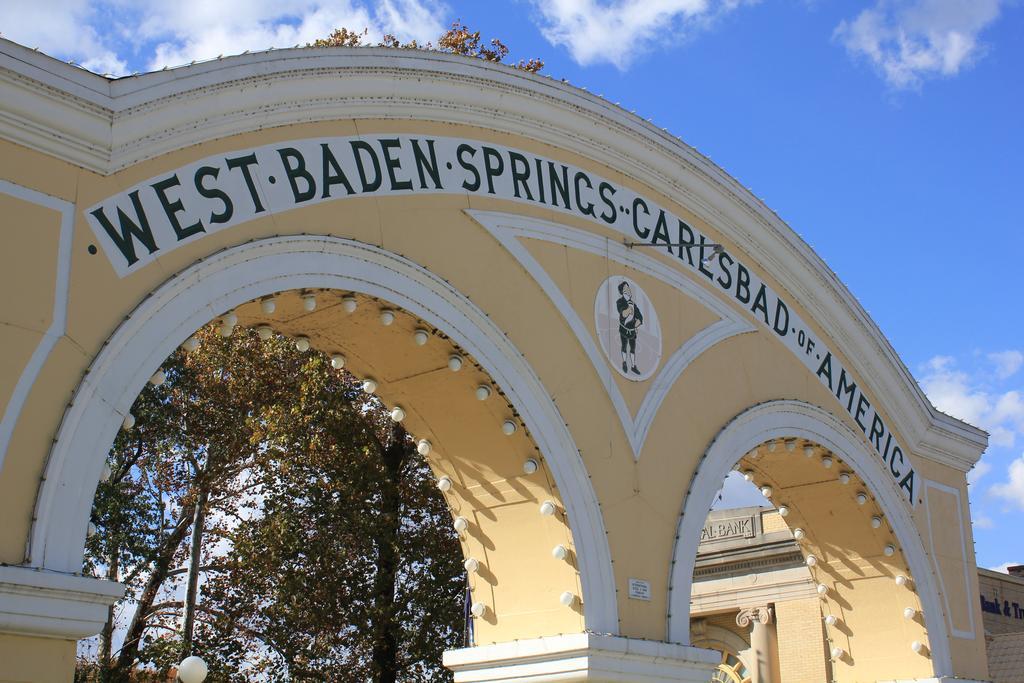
x=763, y=643
x=582, y=657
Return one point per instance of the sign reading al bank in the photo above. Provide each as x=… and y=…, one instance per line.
x=156, y=216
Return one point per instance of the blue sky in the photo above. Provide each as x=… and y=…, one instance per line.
x=888, y=133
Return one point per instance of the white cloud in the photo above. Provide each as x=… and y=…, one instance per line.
x=909, y=40
x=1007, y=362
x=1012, y=490
x=968, y=397
x=982, y=522
x=174, y=33
x=980, y=469
x=619, y=31
x=1005, y=566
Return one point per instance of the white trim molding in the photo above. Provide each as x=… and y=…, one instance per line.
x=106, y=125
x=36, y=602
x=58, y=317
x=969, y=595
x=582, y=657
x=796, y=419
x=509, y=229
x=246, y=272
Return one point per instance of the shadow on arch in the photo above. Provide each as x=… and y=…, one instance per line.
x=854, y=530
x=235, y=280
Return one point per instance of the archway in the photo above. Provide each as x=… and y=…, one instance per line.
x=851, y=526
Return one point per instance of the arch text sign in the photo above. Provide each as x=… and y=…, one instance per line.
x=218, y=192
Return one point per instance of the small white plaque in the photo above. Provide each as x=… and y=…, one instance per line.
x=639, y=589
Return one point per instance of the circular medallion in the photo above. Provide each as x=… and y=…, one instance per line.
x=628, y=328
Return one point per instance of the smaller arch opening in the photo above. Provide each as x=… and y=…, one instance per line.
x=797, y=559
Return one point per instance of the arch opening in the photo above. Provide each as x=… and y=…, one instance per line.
x=428, y=351
x=829, y=570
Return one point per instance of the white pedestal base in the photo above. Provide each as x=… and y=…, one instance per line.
x=582, y=657
x=37, y=602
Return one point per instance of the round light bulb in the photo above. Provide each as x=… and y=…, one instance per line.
x=909, y=613
x=798, y=534
x=369, y=385
x=831, y=620
x=784, y=510
x=902, y=581
x=862, y=498
x=398, y=413
x=445, y=483
x=420, y=337
x=844, y=478
x=483, y=392
x=478, y=609
x=460, y=524
x=471, y=565
x=158, y=378
x=302, y=343
x=876, y=522
x=809, y=451
x=387, y=317
x=508, y=427
x=766, y=491
x=226, y=330
x=567, y=598
x=349, y=304
x=547, y=508
x=128, y=422
x=105, y=472
x=811, y=560
x=192, y=670
x=337, y=361
x=191, y=344
x=265, y=332
x=455, y=362
x=826, y=462
x=230, y=319
x=917, y=646
x=530, y=466
x=423, y=447
x=754, y=454
x=772, y=445
x=889, y=550
x=748, y=475
x=559, y=552
x=838, y=652
x=268, y=306
x=309, y=303
x=822, y=589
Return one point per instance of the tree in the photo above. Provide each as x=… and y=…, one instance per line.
x=320, y=539
x=457, y=40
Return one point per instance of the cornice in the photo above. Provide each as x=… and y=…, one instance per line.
x=105, y=125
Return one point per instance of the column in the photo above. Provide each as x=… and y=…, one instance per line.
x=763, y=643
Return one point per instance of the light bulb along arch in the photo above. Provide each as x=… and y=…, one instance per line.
x=770, y=443
x=396, y=300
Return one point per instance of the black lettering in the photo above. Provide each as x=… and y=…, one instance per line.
x=686, y=238
x=897, y=452
x=392, y=164
x=359, y=148
x=700, y=263
x=124, y=239
x=725, y=284
x=475, y=185
x=877, y=430
x=520, y=168
x=742, y=284
x=607, y=193
x=173, y=208
x=243, y=163
x=761, y=303
x=637, y=203
x=333, y=173
x=661, y=232
x=492, y=170
x=427, y=164
x=850, y=388
x=290, y=156
x=825, y=369
x=862, y=407
x=588, y=209
x=781, y=325
x=562, y=188
x=540, y=179
x=203, y=173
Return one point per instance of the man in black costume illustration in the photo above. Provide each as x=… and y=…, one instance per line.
x=630, y=318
